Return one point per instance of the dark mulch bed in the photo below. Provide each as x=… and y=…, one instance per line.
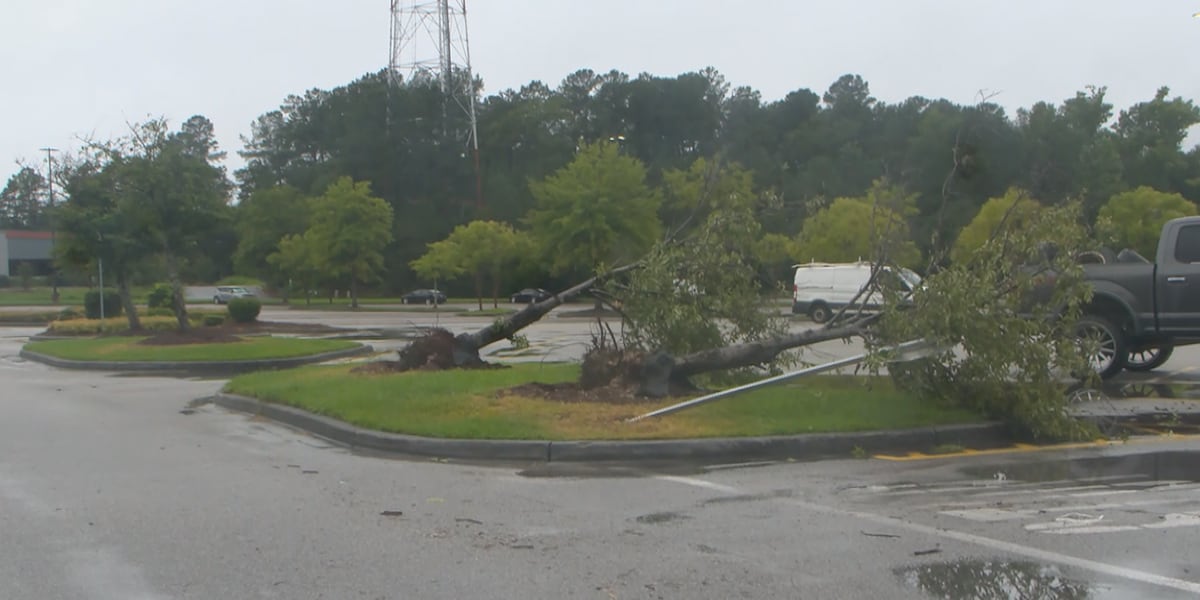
x=231, y=332
x=199, y=335
x=279, y=327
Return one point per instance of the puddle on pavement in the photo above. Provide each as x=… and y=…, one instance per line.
x=1150, y=389
x=1153, y=466
x=978, y=579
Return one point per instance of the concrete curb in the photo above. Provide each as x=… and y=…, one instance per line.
x=223, y=367
x=808, y=446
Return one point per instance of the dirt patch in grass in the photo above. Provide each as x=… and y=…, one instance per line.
x=573, y=392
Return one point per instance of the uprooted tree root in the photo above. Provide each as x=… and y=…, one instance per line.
x=608, y=376
x=434, y=351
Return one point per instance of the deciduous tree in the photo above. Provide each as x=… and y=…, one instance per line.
x=348, y=232
x=1134, y=219
x=1012, y=210
x=483, y=249
x=855, y=229
x=22, y=202
x=595, y=211
x=262, y=220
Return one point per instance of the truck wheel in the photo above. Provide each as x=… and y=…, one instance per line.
x=1148, y=358
x=1108, y=347
x=819, y=313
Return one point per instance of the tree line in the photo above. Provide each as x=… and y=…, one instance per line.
x=814, y=164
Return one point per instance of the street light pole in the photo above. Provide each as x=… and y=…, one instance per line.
x=53, y=234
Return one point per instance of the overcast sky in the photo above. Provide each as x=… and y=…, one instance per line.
x=76, y=68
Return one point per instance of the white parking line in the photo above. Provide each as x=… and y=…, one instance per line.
x=970, y=538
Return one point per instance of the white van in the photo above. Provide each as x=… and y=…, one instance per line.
x=821, y=289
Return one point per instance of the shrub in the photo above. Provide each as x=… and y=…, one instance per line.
x=160, y=296
x=91, y=304
x=211, y=320
x=69, y=313
x=244, y=310
x=5, y=281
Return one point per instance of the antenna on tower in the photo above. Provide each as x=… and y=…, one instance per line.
x=429, y=38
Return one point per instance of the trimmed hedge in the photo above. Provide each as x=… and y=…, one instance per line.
x=117, y=325
x=244, y=310
x=112, y=304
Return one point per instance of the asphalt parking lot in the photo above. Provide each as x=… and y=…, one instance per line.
x=120, y=487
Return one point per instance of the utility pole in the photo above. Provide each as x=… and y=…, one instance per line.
x=53, y=233
x=430, y=38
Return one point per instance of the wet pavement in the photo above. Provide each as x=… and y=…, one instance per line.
x=122, y=487
x=1000, y=579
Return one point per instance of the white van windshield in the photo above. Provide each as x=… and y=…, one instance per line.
x=912, y=279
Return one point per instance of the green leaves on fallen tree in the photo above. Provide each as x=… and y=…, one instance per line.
x=1005, y=315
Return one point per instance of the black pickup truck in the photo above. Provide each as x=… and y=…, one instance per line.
x=1141, y=310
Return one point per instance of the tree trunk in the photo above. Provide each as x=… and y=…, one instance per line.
x=495, y=291
x=177, y=303
x=467, y=345
x=479, y=288
x=135, y=323
x=661, y=372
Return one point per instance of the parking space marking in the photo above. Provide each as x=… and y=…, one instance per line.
x=962, y=536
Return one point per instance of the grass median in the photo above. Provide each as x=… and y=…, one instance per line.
x=123, y=349
x=471, y=404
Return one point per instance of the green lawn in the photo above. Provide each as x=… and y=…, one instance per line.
x=128, y=349
x=67, y=296
x=465, y=404
x=39, y=296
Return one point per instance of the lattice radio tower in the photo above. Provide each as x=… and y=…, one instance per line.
x=430, y=39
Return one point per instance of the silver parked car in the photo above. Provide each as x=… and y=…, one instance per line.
x=226, y=293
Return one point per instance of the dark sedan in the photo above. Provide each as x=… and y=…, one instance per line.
x=530, y=295
x=423, y=297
